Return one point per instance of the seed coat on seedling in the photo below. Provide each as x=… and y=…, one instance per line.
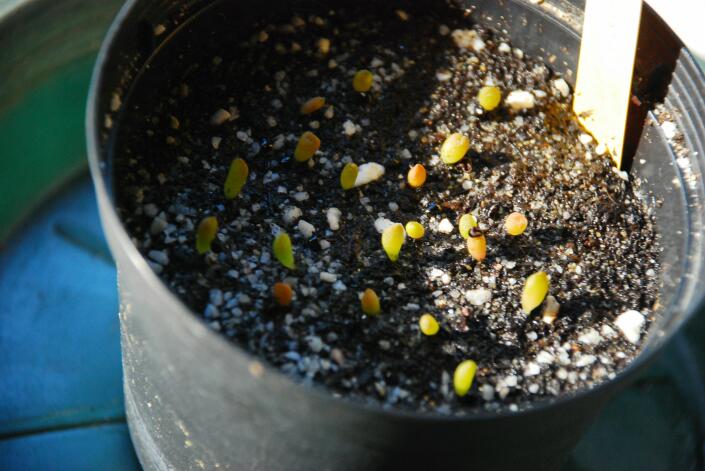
x=467, y=222
x=477, y=245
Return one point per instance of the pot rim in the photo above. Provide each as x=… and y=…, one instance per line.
x=120, y=236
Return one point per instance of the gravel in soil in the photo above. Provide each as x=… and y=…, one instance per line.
x=201, y=104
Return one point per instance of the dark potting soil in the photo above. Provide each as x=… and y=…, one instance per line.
x=589, y=228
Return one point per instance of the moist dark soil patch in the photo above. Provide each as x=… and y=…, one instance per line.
x=588, y=228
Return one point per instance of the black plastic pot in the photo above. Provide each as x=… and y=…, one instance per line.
x=196, y=401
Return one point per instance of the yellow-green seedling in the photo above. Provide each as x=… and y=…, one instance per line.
x=392, y=240
x=370, y=302
x=535, y=291
x=467, y=222
x=454, y=148
x=236, y=179
x=362, y=82
x=489, y=97
x=283, y=293
x=313, y=105
x=307, y=146
x=348, y=176
x=283, y=251
x=515, y=224
x=477, y=245
x=428, y=325
x=415, y=230
x=463, y=377
x=205, y=233
x=416, y=176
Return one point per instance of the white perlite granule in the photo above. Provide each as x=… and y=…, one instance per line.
x=630, y=324
x=333, y=215
x=520, y=100
x=368, y=173
x=306, y=229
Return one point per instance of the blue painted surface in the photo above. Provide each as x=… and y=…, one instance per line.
x=100, y=448
x=61, y=404
x=59, y=335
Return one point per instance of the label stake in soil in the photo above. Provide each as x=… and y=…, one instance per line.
x=603, y=87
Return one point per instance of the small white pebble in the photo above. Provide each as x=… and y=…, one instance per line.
x=487, y=392
x=600, y=149
x=159, y=256
x=532, y=369
x=585, y=138
x=533, y=388
x=630, y=323
x=333, y=215
x=393, y=206
x=324, y=244
x=349, y=128
x=368, y=172
x=339, y=286
x=158, y=225
x=444, y=75
x=328, y=277
x=291, y=214
x=468, y=39
x=520, y=100
x=544, y=358
x=562, y=87
x=479, y=296
x=382, y=223
x=585, y=360
x=301, y=196
x=215, y=142
x=504, y=48
x=306, y=229
x=445, y=226
x=590, y=337
x=669, y=129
